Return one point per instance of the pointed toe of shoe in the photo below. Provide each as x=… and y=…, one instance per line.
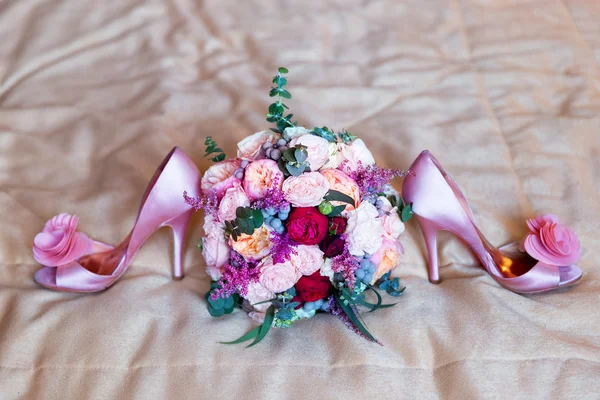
x=569, y=275
x=46, y=277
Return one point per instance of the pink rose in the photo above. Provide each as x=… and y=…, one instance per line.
x=234, y=197
x=393, y=226
x=364, y=232
x=219, y=177
x=251, y=147
x=214, y=247
x=356, y=153
x=59, y=242
x=278, y=277
x=253, y=247
x=260, y=176
x=308, y=260
x=257, y=316
x=317, y=148
x=306, y=190
x=552, y=243
x=387, y=257
x=341, y=182
x=257, y=293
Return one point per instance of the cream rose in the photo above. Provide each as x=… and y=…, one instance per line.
x=253, y=247
x=219, y=177
x=393, y=226
x=308, y=260
x=278, y=277
x=251, y=147
x=365, y=232
x=257, y=293
x=306, y=190
x=296, y=131
x=234, y=197
x=355, y=153
x=387, y=257
x=317, y=149
x=261, y=176
x=341, y=182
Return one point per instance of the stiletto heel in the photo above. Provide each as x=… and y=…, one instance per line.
x=75, y=263
x=430, y=232
x=439, y=204
x=179, y=226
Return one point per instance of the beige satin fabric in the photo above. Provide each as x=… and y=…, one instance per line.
x=94, y=93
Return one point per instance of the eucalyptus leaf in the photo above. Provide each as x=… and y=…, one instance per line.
x=285, y=94
x=289, y=155
x=228, y=303
x=407, y=213
x=301, y=155
x=243, y=212
x=334, y=195
x=214, y=312
x=248, y=336
x=257, y=218
x=265, y=327
x=218, y=158
x=295, y=170
x=274, y=92
x=282, y=70
x=245, y=226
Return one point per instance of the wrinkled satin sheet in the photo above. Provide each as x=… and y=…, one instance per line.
x=94, y=93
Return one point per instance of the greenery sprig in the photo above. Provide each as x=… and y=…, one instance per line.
x=277, y=109
x=246, y=221
x=211, y=148
x=405, y=211
x=294, y=161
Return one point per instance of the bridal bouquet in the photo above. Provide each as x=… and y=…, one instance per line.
x=301, y=222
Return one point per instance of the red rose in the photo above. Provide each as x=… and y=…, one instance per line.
x=307, y=225
x=312, y=287
x=338, y=225
x=332, y=246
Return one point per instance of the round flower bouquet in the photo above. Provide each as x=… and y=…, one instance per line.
x=302, y=222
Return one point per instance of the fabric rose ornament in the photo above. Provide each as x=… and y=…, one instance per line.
x=387, y=258
x=341, y=182
x=260, y=176
x=234, y=197
x=307, y=260
x=317, y=149
x=313, y=287
x=306, y=190
x=59, y=243
x=365, y=232
x=251, y=147
x=277, y=277
x=253, y=247
x=220, y=177
x=552, y=243
x=307, y=225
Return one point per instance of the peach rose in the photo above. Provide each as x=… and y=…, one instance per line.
x=257, y=293
x=251, y=147
x=308, y=260
x=234, y=197
x=253, y=247
x=260, y=176
x=356, y=153
x=59, y=242
x=387, y=257
x=317, y=149
x=278, y=277
x=219, y=177
x=393, y=226
x=306, y=190
x=342, y=183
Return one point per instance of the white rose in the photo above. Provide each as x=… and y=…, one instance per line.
x=335, y=157
x=308, y=260
x=296, y=131
x=365, y=232
x=356, y=153
x=317, y=149
x=234, y=197
x=393, y=226
x=306, y=190
x=327, y=270
x=251, y=147
x=257, y=293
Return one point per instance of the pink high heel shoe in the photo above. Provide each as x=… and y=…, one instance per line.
x=439, y=204
x=75, y=263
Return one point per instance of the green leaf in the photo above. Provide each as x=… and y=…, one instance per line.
x=216, y=304
x=289, y=155
x=301, y=155
x=245, y=226
x=274, y=92
x=280, y=81
x=228, y=303
x=285, y=94
x=295, y=170
x=243, y=212
x=282, y=70
x=276, y=109
x=218, y=158
x=248, y=336
x=407, y=213
x=334, y=195
x=214, y=312
x=337, y=210
x=353, y=318
x=257, y=218
x=265, y=327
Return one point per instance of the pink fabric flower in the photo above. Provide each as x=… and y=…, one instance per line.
x=552, y=243
x=317, y=149
x=308, y=260
x=278, y=277
x=219, y=177
x=59, y=243
x=260, y=176
x=341, y=182
x=306, y=190
x=234, y=197
x=257, y=293
x=251, y=147
x=355, y=153
x=387, y=257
